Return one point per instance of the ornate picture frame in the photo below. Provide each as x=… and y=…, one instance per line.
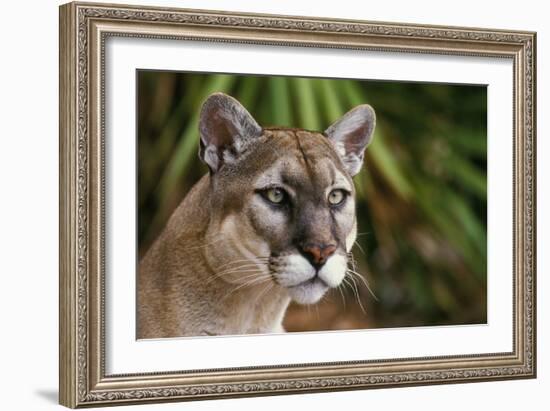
x=84, y=29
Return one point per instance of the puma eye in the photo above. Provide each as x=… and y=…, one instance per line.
x=336, y=197
x=275, y=195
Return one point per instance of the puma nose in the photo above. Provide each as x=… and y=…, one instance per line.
x=318, y=254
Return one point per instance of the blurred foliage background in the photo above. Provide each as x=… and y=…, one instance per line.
x=422, y=193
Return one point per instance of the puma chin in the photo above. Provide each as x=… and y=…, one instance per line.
x=272, y=221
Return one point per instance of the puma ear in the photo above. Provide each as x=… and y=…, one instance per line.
x=351, y=134
x=226, y=130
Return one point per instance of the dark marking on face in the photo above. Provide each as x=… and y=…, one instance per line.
x=308, y=165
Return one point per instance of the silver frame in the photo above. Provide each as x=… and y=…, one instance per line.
x=84, y=27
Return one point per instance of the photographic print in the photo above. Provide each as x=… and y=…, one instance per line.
x=270, y=204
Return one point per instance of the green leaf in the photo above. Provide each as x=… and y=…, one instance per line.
x=467, y=174
x=305, y=103
x=280, y=101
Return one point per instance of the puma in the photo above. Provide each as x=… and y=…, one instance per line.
x=273, y=221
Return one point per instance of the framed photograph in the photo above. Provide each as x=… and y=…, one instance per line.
x=260, y=204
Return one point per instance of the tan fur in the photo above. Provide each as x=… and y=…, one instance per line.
x=186, y=285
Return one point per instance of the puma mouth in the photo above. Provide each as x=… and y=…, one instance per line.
x=309, y=291
x=310, y=281
x=304, y=283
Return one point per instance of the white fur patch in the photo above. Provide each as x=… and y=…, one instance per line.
x=352, y=161
x=295, y=270
x=334, y=270
x=340, y=148
x=309, y=293
x=211, y=156
x=350, y=239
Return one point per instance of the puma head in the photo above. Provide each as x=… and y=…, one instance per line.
x=282, y=200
